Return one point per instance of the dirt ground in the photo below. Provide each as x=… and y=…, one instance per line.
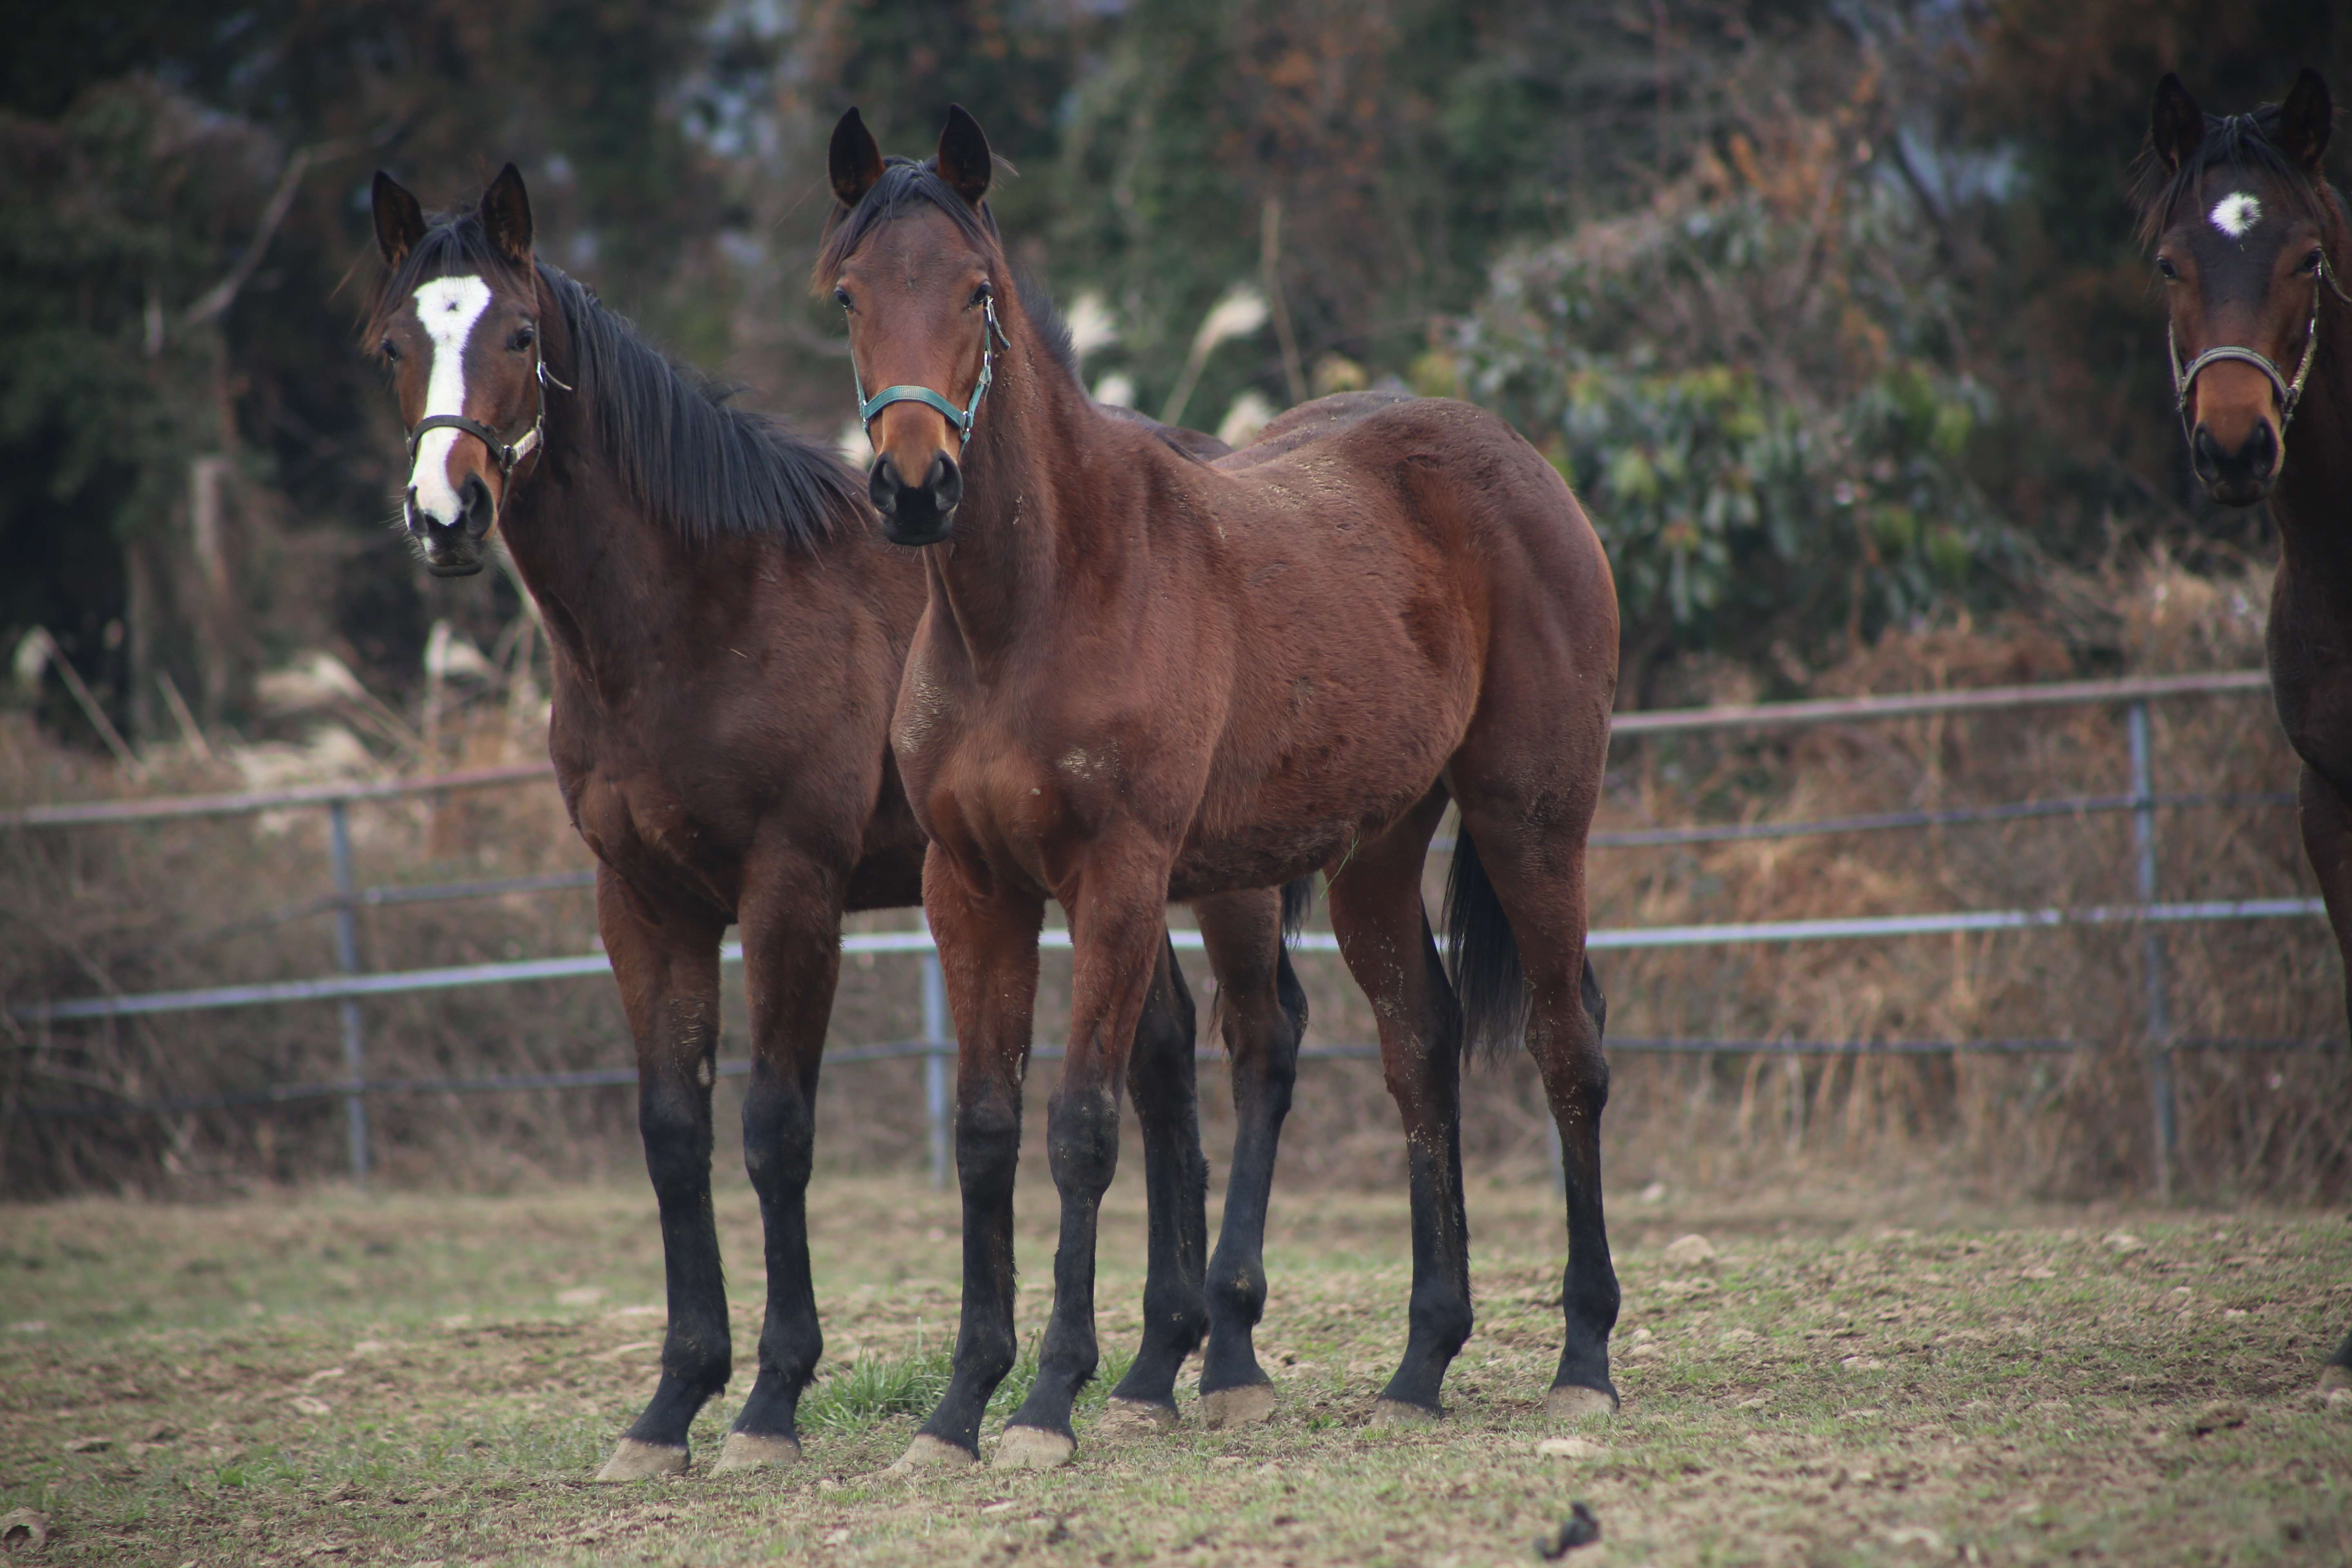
x=1857, y=1376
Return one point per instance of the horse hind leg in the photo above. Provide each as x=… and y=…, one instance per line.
x=1384, y=935
x=1265, y=1010
x=1520, y=879
x=1161, y=1080
x=668, y=975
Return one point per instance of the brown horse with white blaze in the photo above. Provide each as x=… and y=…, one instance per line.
x=2251, y=242
x=726, y=636
x=1142, y=677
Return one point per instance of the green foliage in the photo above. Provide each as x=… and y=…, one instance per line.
x=1766, y=463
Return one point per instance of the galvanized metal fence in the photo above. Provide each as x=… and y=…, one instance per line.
x=348, y=988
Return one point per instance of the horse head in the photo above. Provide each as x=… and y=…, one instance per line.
x=912, y=259
x=2241, y=216
x=458, y=321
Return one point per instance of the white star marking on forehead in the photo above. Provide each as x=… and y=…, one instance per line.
x=2236, y=213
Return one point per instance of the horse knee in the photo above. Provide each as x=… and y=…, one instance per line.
x=1082, y=1137
x=674, y=1120
x=779, y=1133
x=988, y=1144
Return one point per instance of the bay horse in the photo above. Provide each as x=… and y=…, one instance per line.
x=726, y=636
x=2251, y=242
x=1144, y=677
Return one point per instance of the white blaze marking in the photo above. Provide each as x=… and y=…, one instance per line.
x=2236, y=213
x=448, y=308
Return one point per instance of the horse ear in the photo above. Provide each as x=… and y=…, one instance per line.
x=853, y=161
x=399, y=221
x=2305, y=120
x=2175, y=125
x=505, y=213
x=964, y=161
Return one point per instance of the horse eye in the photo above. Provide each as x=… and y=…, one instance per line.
x=841, y=298
x=983, y=295
x=523, y=339
x=2164, y=266
x=2313, y=262
x=390, y=349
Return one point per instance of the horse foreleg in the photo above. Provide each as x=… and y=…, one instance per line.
x=667, y=967
x=2326, y=819
x=1384, y=935
x=791, y=917
x=1160, y=1078
x=1118, y=916
x=988, y=957
x=1265, y=1010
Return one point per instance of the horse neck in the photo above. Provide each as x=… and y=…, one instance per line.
x=999, y=580
x=2313, y=499
x=607, y=578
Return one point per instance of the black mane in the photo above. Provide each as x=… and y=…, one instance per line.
x=696, y=463
x=2230, y=140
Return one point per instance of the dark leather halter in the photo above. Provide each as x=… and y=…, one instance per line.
x=508, y=453
x=2289, y=389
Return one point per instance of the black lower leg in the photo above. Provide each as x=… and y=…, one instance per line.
x=1161, y=1082
x=1589, y=1284
x=988, y=1151
x=779, y=1137
x=1082, y=1145
x=674, y=1115
x=1438, y=1320
x=1265, y=1070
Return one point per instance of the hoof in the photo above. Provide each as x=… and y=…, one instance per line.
x=929, y=1453
x=751, y=1451
x=1397, y=1413
x=1032, y=1449
x=1139, y=1417
x=1229, y=1409
x=636, y=1461
x=2335, y=1377
x=1573, y=1402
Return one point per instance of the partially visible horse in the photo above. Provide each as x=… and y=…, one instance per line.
x=1143, y=678
x=2251, y=242
x=726, y=636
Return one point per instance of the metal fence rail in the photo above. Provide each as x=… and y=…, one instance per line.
x=347, y=988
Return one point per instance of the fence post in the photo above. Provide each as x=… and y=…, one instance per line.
x=939, y=1045
x=2159, y=1015
x=347, y=956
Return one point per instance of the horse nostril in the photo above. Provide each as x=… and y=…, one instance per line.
x=2261, y=449
x=474, y=495
x=882, y=486
x=945, y=481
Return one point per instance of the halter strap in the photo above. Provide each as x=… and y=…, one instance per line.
x=506, y=453
x=2290, y=392
x=992, y=337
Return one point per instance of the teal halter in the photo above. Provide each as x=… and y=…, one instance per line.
x=992, y=337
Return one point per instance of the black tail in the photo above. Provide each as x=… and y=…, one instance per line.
x=1490, y=984
x=1297, y=903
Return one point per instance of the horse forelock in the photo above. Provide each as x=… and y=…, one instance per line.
x=2233, y=144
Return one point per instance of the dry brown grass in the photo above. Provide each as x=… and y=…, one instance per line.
x=144, y=908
